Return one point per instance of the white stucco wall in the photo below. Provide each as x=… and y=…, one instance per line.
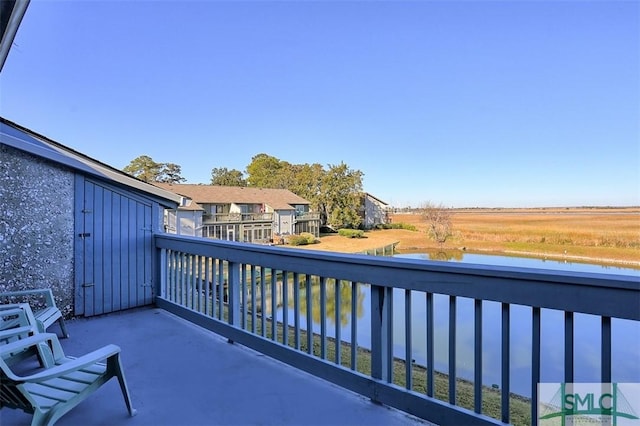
x=374, y=213
x=36, y=225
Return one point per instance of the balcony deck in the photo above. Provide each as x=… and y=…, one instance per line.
x=181, y=374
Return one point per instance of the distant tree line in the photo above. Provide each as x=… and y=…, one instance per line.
x=335, y=191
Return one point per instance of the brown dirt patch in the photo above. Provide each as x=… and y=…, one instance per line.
x=374, y=240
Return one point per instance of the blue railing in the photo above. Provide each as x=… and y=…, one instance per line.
x=238, y=290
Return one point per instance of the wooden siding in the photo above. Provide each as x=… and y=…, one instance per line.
x=113, y=249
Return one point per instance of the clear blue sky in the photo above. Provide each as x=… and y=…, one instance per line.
x=468, y=104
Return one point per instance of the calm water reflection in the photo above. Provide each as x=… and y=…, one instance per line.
x=625, y=334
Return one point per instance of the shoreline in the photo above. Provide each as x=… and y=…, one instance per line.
x=630, y=264
x=586, y=259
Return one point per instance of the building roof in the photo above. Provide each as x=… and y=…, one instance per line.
x=366, y=194
x=278, y=199
x=190, y=205
x=23, y=139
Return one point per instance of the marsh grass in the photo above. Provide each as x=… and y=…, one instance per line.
x=600, y=235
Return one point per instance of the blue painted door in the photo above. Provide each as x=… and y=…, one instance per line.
x=113, y=250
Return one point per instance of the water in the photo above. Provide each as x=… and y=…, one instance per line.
x=625, y=334
x=526, y=262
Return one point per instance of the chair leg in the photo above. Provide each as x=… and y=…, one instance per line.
x=119, y=372
x=39, y=419
x=63, y=327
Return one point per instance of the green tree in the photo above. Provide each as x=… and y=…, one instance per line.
x=170, y=173
x=341, y=192
x=266, y=171
x=226, y=177
x=335, y=192
x=308, y=183
x=146, y=169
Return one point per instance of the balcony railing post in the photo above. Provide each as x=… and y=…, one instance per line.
x=159, y=277
x=234, y=293
x=380, y=318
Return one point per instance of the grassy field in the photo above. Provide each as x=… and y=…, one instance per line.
x=595, y=235
x=591, y=235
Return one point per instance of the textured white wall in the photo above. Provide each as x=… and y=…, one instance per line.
x=36, y=225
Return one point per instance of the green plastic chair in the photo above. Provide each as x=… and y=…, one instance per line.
x=43, y=305
x=17, y=322
x=63, y=382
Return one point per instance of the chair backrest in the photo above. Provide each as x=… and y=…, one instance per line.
x=15, y=315
x=43, y=304
x=17, y=322
x=12, y=313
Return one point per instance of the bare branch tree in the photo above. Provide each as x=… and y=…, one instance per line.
x=438, y=219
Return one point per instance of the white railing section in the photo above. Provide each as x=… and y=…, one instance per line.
x=237, y=290
x=237, y=217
